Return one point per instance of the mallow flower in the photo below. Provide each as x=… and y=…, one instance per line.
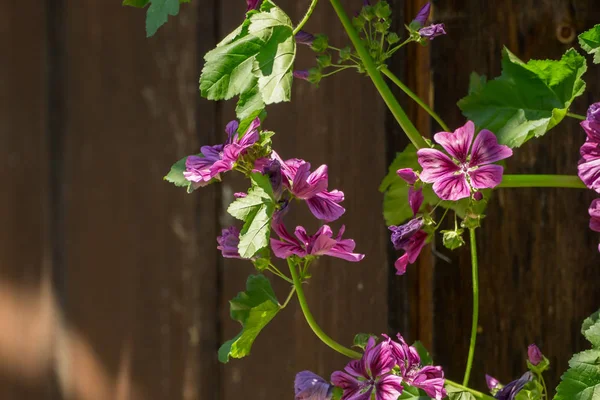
x=252, y=4
x=427, y=32
x=594, y=212
x=589, y=164
x=229, y=241
x=310, y=386
x=371, y=375
x=429, y=378
x=422, y=16
x=221, y=157
x=432, y=31
x=415, y=196
x=410, y=238
x=304, y=37
x=322, y=243
x=534, y=354
x=493, y=384
x=466, y=169
x=512, y=389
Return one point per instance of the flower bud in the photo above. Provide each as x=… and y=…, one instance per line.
x=593, y=114
x=324, y=60
x=383, y=10
x=345, y=53
x=228, y=242
x=477, y=196
x=408, y=175
x=432, y=31
x=534, y=354
x=320, y=43
x=453, y=239
x=252, y=4
x=492, y=383
x=422, y=16
x=393, y=38
x=306, y=38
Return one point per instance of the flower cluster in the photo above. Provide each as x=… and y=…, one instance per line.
x=589, y=164
x=382, y=372
x=430, y=31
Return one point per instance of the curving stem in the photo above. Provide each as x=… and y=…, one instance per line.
x=304, y=20
x=474, y=323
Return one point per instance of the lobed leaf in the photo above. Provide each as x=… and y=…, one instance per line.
x=582, y=379
x=590, y=42
x=458, y=394
x=254, y=309
x=158, y=14
x=528, y=99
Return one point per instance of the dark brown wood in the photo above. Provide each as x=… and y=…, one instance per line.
x=538, y=260
x=25, y=249
x=141, y=264
x=339, y=124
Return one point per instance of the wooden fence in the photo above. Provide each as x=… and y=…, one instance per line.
x=111, y=286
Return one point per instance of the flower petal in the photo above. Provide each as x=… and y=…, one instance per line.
x=401, y=264
x=452, y=187
x=389, y=387
x=589, y=172
x=324, y=205
x=306, y=185
x=416, y=245
x=231, y=128
x=431, y=380
x=486, y=177
x=378, y=360
x=351, y=386
x=310, y=386
x=594, y=212
x=408, y=175
x=435, y=165
x=415, y=199
x=592, y=130
x=284, y=249
x=486, y=149
x=457, y=143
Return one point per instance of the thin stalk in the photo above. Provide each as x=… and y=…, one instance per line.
x=395, y=49
x=474, y=323
x=562, y=181
x=576, y=116
x=384, y=90
x=413, y=96
x=311, y=320
x=337, y=70
x=288, y=298
x=280, y=274
x=475, y=393
x=304, y=20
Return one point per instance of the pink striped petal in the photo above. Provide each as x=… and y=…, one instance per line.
x=435, y=165
x=457, y=143
x=452, y=187
x=486, y=177
x=486, y=149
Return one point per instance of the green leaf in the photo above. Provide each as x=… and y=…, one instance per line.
x=590, y=42
x=254, y=309
x=396, y=209
x=528, y=99
x=476, y=82
x=361, y=340
x=582, y=379
x=458, y=394
x=249, y=106
x=256, y=210
x=274, y=63
x=158, y=14
x=531, y=391
x=175, y=175
x=412, y=393
x=423, y=353
x=591, y=329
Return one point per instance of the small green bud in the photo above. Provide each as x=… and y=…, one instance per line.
x=368, y=12
x=453, y=239
x=320, y=43
x=383, y=10
x=472, y=221
x=393, y=38
x=345, y=53
x=361, y=340
x=359, y=22
x=315, y=75
x=324, y=60
x=261, y=264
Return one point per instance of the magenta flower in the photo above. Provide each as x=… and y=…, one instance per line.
x=312, y=187
x=429, y=378
x=321, y=243
x=408, y=175
x=589, y=164
x=492, y=383
x=222, y=157
x=432, y=31
x=310, y=386
x=534, y=354
x=301, y=74
x=593, y=113
x=410, y=238
x=469, y=169
x=253, y=4
x=372, y=374
x=512, y=389
x=594, y=211
x=229, y=241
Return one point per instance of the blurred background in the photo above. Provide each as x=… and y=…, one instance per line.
x=111, y=286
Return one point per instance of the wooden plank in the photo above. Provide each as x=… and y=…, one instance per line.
x=25, y=255
x=141, y=287
x=538, y=263
x=340, y=124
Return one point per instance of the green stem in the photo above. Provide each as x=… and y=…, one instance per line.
x=576, y=116
x=413, y=96
x=384, y=90
x=337, y=70
x=311, y=320
x=395, y=49
x=475, y=393
x=288, y=298
x=309, y=12
x=474, y=322
x=562, y=181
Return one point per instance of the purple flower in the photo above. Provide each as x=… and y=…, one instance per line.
x=512, y=389
x=594, y=211
x=222, y=157
x=301, y=74
x=593, y=113
x=423, y=15
x=589, y=164
x=312, y=187
x=469, y=169
x=321, y=243
x=252, y=4
x=310, y=386
x=408, y=175
x=432, y=31
x=415, y=199
x=534, y=354
x=306, y=38
x=372, y=374
x=429, y=378
x=229, y=241
x=492, y=383
x=410, y=238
